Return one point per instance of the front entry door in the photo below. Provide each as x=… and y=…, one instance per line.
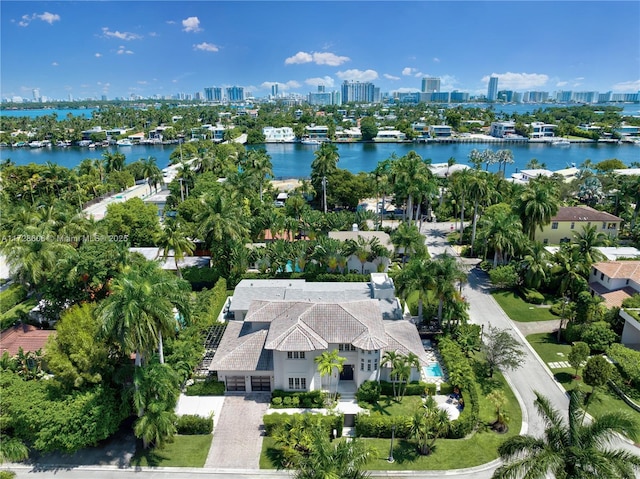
x=347, y=373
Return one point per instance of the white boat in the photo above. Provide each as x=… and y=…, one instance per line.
x=561, y=142
x=310, y=141
x=84, y=143
x=35, y=144
x=124, y=142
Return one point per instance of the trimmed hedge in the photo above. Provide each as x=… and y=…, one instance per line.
x=377, y=425
x=414, y=388
x=305, y=399
x=206, y=388
x=275, y=420
x=11, y=296
x=369, y=392
x=191, y=425
x=532, y=296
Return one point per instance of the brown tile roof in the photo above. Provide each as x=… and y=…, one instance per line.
x=26, y=336
x=614, y=299
x=620, y=269
x=583, y=213
x=403, y=338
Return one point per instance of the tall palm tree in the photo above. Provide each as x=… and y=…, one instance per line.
x=258, y=163
x=478, y=189
x=409, y=362
x=113, y=161
x=382, y=176
x=409, y=238
x=221, y=219
x=324, y=164
x=328, y=363
x=415, y=277
x=151, y=172
x=140, y=308
x=571, y=449
x=459, y=181
x=586, y=242
x=172, y=239
x=536, y=265
x=410, y=179
x=501, y=231
x=537, y=205
x=445, y=272
x=391, y=359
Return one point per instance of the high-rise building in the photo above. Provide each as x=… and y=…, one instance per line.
x=430, y=85
x=213, y=93
x=320, y=98
x=36, y=94
x=235, y=93
x=358, y=92
x=459, y=96
x=492, y=91
x=274, y=90
x=320, y=88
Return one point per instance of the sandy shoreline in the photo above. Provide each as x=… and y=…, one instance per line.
x=285, y=185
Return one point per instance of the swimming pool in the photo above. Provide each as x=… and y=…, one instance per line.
x=433, y=370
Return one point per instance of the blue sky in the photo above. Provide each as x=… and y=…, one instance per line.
x=119, y=48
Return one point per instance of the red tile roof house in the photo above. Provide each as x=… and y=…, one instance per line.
x=25, y=336
x=615, y=281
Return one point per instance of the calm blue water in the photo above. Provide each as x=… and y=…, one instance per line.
x=62, y=113
x=294, y=160
x=433, y=370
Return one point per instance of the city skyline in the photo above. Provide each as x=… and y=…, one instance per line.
x=120, y=49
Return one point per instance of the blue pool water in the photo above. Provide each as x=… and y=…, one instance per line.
x=433, y=370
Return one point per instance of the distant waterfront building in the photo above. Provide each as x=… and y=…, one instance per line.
x=213, y=93
x=604, y=97
x=278, y=135
x=235, y=93
x=408, y=97
x=430, y=85
x=459, y=96
x=440, y=97
x=538, y=96
x=542, y=130
x=320, y=98
x=506, y=95
x=585, y=96
x=492, y=90
x=36, y=95
x=358, y=92
x=502, y=129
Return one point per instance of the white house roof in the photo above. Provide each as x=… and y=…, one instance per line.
x=242, y=349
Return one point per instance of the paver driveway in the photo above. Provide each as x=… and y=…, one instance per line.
x=237, y=436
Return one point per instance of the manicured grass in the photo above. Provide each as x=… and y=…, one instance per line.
x=387, y=406
x=519, y=310
x=18, y=311
x=184, y=451
x=548, y=349
x=479, y=448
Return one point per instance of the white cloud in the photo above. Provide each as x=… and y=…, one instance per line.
x=436, y=60
x=25, y=20
x=358, y=75
x=206, y=47
x=419, y=75
x=325, y=81
x=120, y=35
x=191, y=24
x=448, y=82
x=292, y=84
x=97, y=55
x=390, y=77
x=562, y=83
x=124, y=51
x=319, y=58
x=627, y=86
x=281, y=86
x=407, y=90
x=54, y=64
x=407, y=71
x=518, y=81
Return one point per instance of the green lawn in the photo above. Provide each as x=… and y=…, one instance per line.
x=549, y=351
x=480, y=448
x=184, y=451
x=388, y=407
x=519, y=310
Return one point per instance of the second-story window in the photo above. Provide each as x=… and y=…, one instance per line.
x=554, y=225
x=295, y=355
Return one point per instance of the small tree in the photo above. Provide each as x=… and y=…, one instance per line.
x=504, y=277
x=597, y=372
x=498, y=399
x=502, y=351
x=428, y=424
x=579, y=354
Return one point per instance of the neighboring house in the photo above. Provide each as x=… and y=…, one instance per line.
x=572, y=219
x=278, y=135
x=317, y=132
x=25, y=336
x=524, y=176
x=353, y=263
x=440, y=131
x=153, y=254
x=542, y=130
x=281, y=326
x=614, y=281
x=502, y=129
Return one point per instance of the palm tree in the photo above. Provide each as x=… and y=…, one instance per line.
x=504, y=157
x=537, y=205
x=221, y=219
x=501, y=230
x=415, y=277
x=140, y=308
x=428, y=424
x=459, y=181
x=535, y=265
x=445, y=272
x=172, y=239
x=258, y=163
x=113, y=161
x=478, y=188
x=410, y=178
x=571, y=449
x=382, y=177
x=408, y=362
x=328, y=363
x=151, y=172
x=409, y=238
x=587, y=241
x=324, y=164
x=391, y=359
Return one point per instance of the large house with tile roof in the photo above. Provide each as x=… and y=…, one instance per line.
x=614, y=281
x=572, y=219
x=281, y=326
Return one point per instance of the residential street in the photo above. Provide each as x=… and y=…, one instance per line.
x=532, y=376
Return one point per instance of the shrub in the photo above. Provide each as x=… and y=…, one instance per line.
x=206, y=388
x=287, y=401
x=369, y=392
x=11, y=296
x=430, y=389
x=7, y=474
x=504, y=277
x=446, y=388
x=376, y=425
x=414, y=388
x=191, y=424
x=275, y=420
x=310, y=399
x=295, y=401
x=532, y=296
x=628, y=363
x=599, y=336
x=276, y=401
